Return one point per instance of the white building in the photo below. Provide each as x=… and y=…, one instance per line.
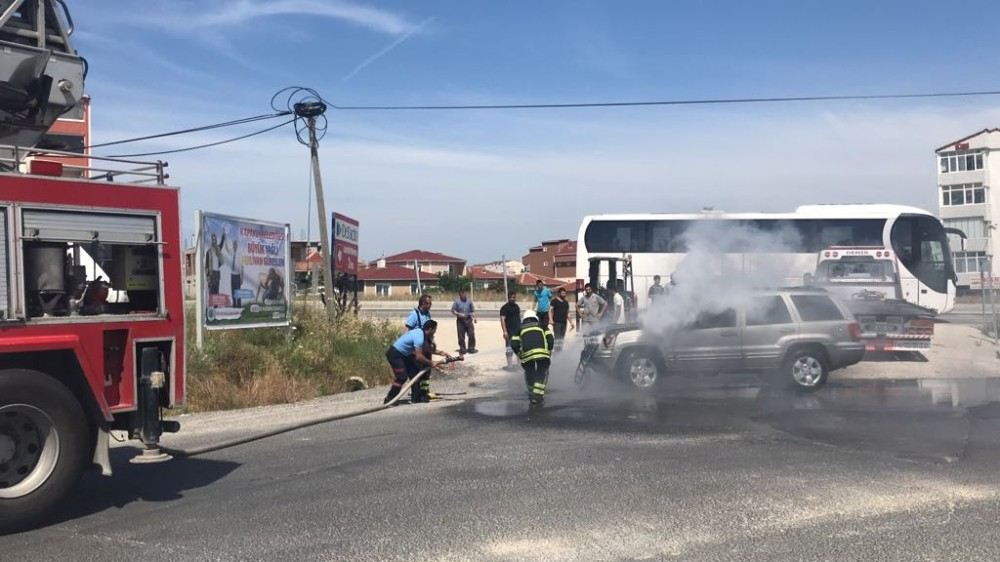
x=967, y=169
x=514, y=267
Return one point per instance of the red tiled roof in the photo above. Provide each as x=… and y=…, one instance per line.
x=570, y=286
x=421, y=256
x=529, y=279
x=313, y=257
x=481, y=273
x=391, y=273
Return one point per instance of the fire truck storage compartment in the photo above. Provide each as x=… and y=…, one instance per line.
x=87, y=263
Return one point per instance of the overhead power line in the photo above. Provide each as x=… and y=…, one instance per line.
x=206, y=145
x=199, y=129
x=708, y=101
x=287, y=101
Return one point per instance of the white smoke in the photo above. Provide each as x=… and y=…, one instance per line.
x=726, y=264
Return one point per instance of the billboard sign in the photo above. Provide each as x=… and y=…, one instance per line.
x=345, y=244
x=987, y=281
x=245, y=268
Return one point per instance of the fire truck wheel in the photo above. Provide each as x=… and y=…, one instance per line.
x=43, y=446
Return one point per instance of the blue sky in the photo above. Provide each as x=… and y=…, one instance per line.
x=479, y=184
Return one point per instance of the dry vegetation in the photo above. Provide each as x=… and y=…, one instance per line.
x=257, y=367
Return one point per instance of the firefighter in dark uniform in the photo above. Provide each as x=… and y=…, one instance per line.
x=533, y=344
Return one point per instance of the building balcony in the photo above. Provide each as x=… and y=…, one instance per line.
x=969, y=176
x=983, y=210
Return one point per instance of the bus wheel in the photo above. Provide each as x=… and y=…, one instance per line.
x=43, y=446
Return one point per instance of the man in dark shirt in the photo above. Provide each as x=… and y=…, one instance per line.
x=656, y=291
x=560, y=317
x=510, y=323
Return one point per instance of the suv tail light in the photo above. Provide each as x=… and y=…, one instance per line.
x=609, y=340
x=854, y=330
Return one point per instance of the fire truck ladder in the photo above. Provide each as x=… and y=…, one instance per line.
x=41, y=74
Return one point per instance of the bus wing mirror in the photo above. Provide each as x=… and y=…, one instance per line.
x=957, y=232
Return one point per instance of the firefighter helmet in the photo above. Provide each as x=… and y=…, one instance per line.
x=529, y=315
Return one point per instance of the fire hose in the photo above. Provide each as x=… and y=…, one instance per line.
x=182, y=453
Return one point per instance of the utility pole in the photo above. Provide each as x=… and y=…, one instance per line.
x=503, y=265
x=416, y=267
x=310, y=111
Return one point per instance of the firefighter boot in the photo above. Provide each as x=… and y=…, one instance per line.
x=421, y=392
x=393, y=392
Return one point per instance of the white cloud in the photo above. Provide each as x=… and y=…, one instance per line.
x=195, y=17
x=385, y=50
x=527, y=177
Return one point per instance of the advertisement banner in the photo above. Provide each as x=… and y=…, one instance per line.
x=345, y=244
x=245, y=279
x=986, y=281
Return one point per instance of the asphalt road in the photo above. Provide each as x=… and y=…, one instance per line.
x=719, y=468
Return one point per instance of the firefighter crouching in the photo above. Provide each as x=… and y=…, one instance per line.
x=407, y=356
x=533, y=344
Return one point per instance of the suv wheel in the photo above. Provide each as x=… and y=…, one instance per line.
x=807, y=369
x=642, y=370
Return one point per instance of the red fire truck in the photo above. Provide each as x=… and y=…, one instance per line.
x=91, y=296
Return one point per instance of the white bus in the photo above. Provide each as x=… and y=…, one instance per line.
x=656, y=246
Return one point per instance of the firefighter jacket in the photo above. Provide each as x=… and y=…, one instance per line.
x=533, y=342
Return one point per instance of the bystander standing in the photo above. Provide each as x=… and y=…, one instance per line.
x=560, y=317
x=510, y=323
x=465, y=320
x=543, y=298
x=591, y=308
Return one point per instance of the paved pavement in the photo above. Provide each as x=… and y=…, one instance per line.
x=970, y=314
x=713, y=468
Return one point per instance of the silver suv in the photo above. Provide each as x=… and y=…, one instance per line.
x=798, y=335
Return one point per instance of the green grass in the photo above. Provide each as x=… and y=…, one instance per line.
x=256, y=367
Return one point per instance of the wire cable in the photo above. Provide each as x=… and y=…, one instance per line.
x=234, y=122
x=292, y=99
x=709, y=101
x=206, y=145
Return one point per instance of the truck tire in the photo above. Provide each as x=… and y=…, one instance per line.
x=43, y=446
x=642, y=369
x=805, y=368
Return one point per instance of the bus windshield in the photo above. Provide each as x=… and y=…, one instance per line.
x=856, y=269
x=922, y=247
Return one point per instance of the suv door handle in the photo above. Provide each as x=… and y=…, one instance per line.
x=786, y=331
x=729, y=334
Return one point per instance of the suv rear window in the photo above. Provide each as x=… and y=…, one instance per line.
x=764, y=311
x=816, y=308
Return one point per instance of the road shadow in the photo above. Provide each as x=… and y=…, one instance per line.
x=894, y=357
x=130, y=483
x=916, y=419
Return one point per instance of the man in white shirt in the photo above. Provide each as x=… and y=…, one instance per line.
x=619, y=306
